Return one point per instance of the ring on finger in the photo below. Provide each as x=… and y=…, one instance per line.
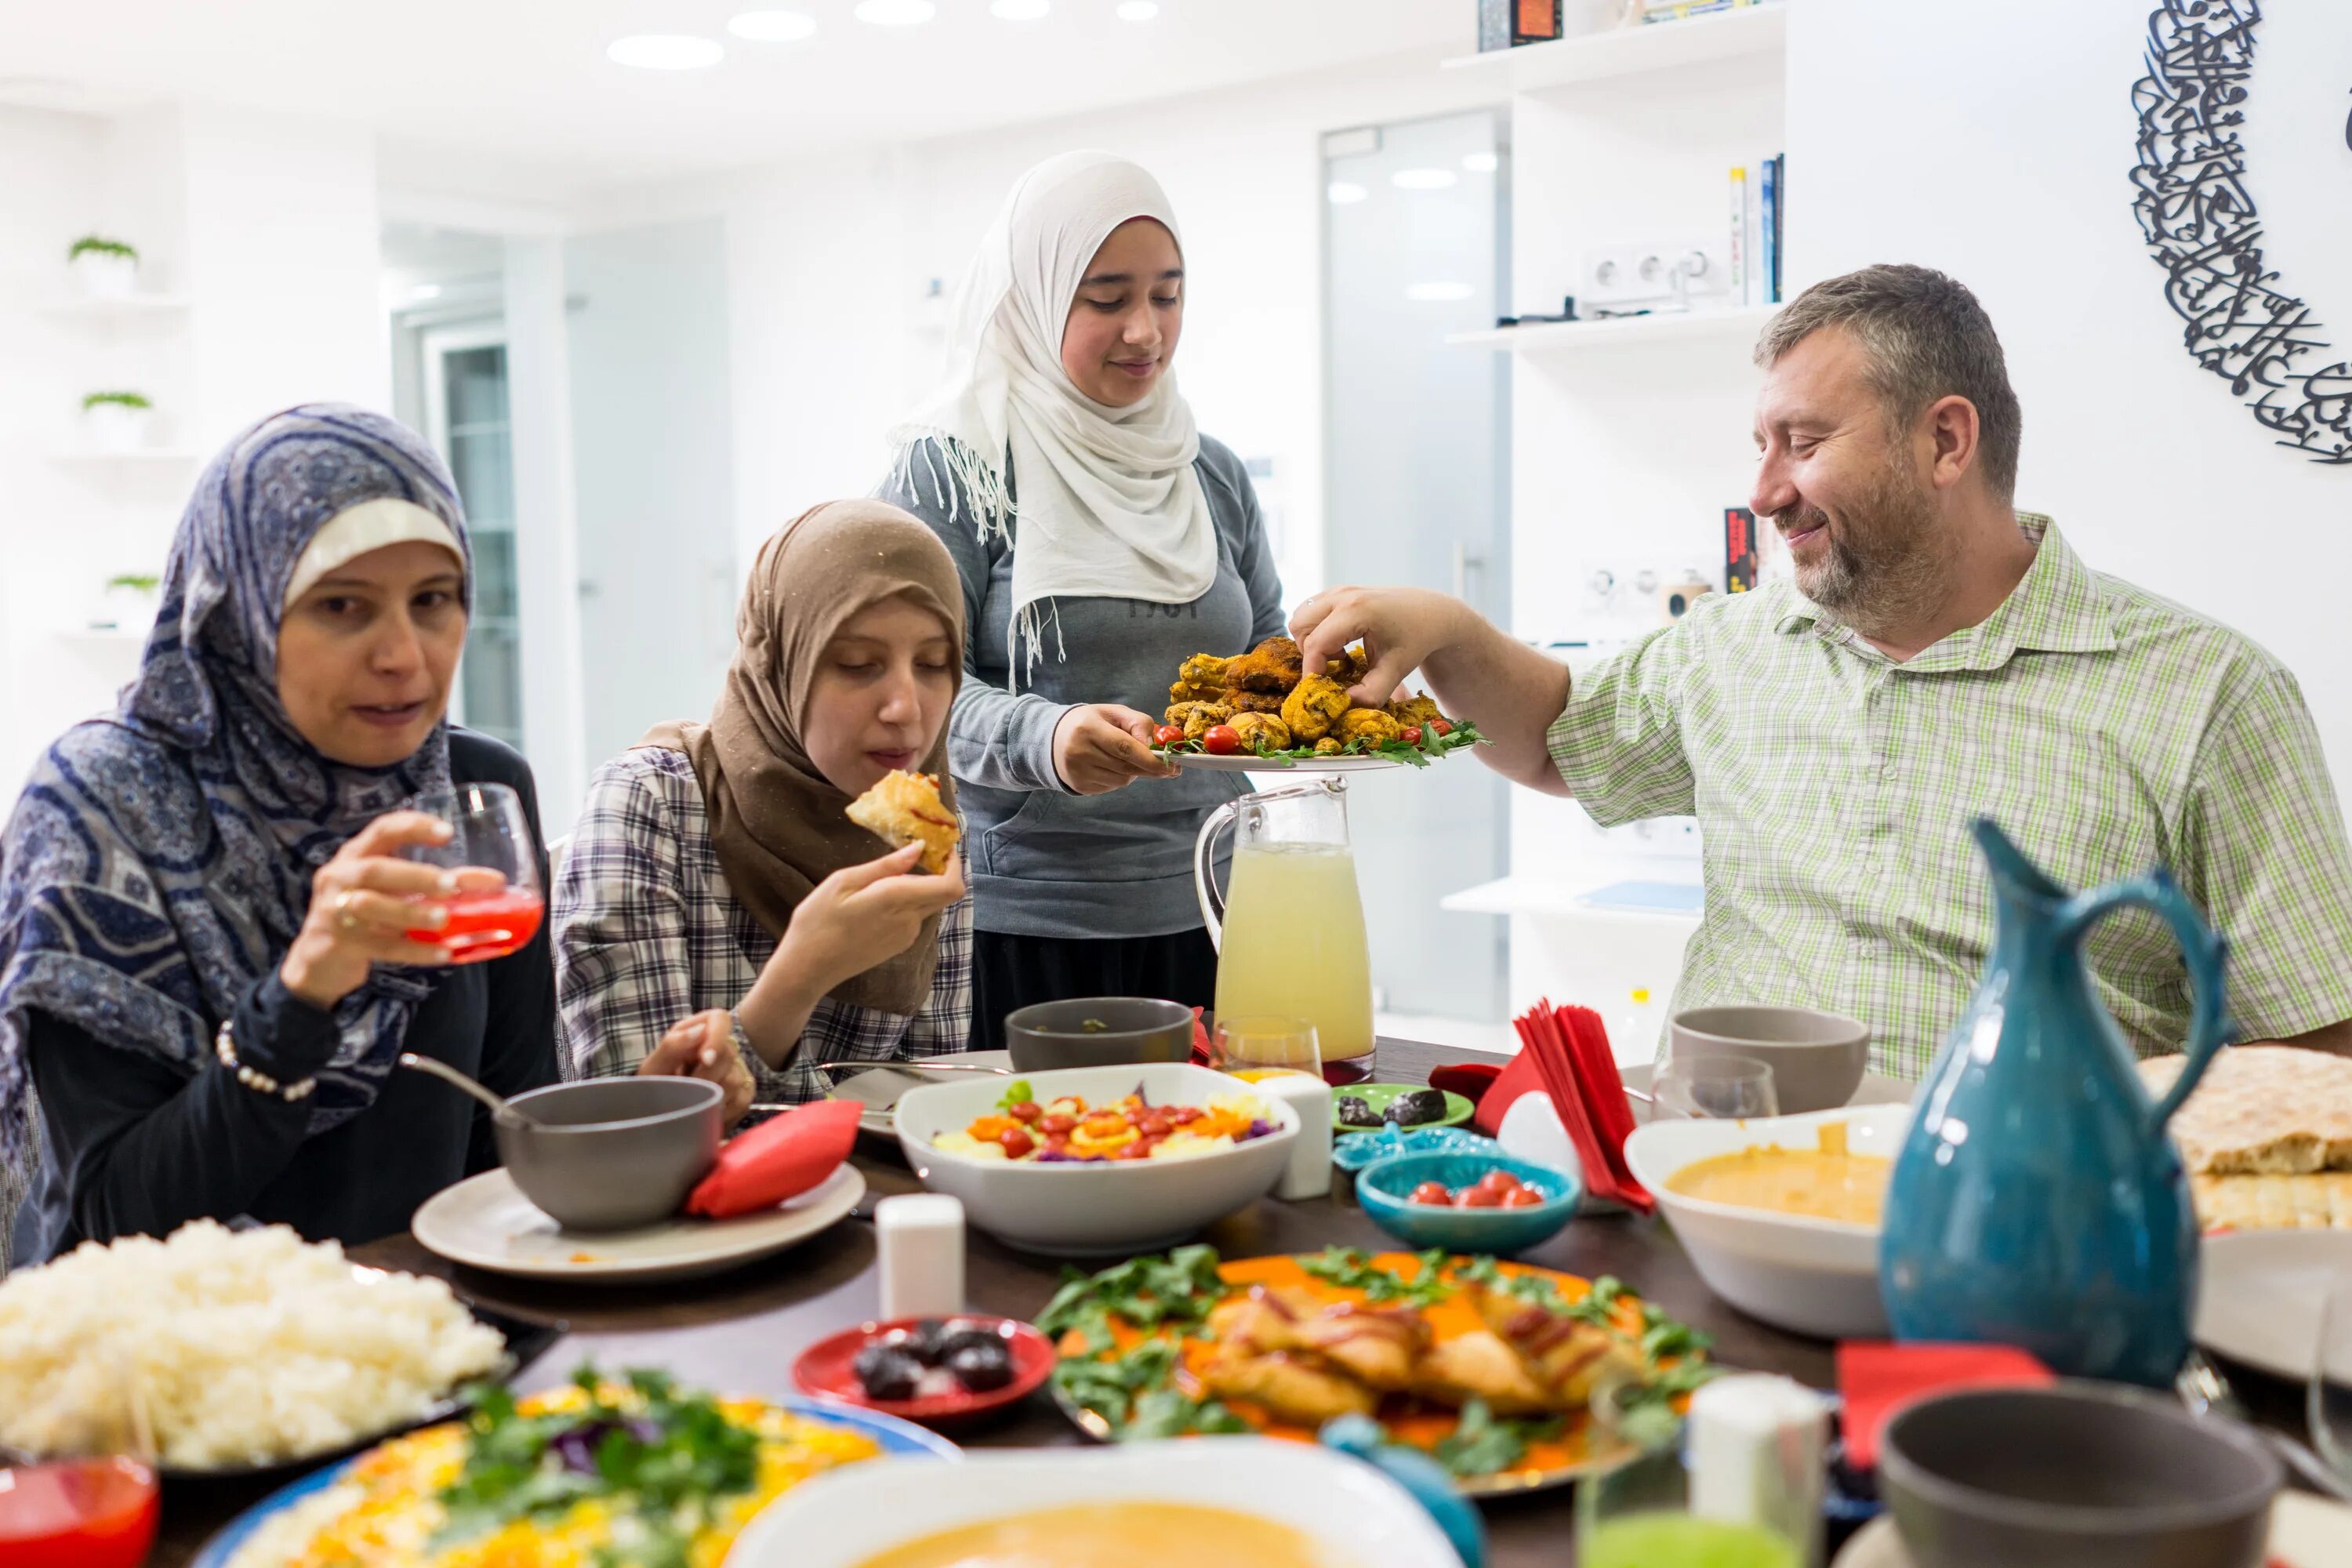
x=343, y=907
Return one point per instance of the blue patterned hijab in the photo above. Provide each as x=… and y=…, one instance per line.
x=159, y=858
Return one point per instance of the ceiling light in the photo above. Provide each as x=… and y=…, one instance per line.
x=1482, y=162
x=1344, y=192
x=894, y=13
x=1424, y=179
x=1019, y=10
x=425, y=291
x=666, y=52
x=1431, y=293
x=1138, y=10
x=772, y=26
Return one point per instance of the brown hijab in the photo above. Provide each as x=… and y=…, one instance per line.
x=775, y=821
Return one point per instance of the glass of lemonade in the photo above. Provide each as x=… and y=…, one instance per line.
x=1252, y=1047
x=1637, y=1514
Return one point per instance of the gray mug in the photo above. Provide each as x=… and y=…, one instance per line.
x=1817, y=1058
x=1098, y=1031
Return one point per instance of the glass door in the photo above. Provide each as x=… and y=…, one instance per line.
x=467, y=418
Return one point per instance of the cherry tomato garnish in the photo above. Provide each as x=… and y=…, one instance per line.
x=1413, y=734
x=1434, y=1192
x=1184, y=1115
x=1522, y=1198
x=1139, y=1150
x=1479, y=1198
x=1014, y=1143
x=1498, y=1180
x=1167, y=735
x=1157, y=1126
x=1027, y=1110
x=1055, y=1124
x=1220, y=741
x=1441, y=727
x=1055, y=1146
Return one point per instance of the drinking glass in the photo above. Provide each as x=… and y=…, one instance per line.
x=1637, y=1513
x=488, y=831
x=1253, y=1047
x=2331, y=1377
x=1723, y=1088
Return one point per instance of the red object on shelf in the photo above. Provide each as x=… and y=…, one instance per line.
x=779, y=1159
x=78, y=1513
x=828, y=1369
x=1878, y=1378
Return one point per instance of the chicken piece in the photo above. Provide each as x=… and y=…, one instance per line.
x=1196, y=719
x=1414, y=709
x=1570, y=1358
x=1185, y=691
x=1262, y=731
x=1350, y=667
x=1329, y=746
x=1250, y=702
x=1479, y=1365
x=1371, y=726
x=905, y=808
x=1294, y=1388
x=1254, y=1325
x=1312, y=710
x=1377, y=1347
x=1272, y=665
x=1204, y=669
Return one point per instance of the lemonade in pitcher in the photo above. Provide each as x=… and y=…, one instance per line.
x=1291, y=939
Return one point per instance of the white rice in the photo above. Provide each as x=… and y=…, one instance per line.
x=234, y=1347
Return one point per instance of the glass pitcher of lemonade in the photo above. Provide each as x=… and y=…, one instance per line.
x=1290, y=929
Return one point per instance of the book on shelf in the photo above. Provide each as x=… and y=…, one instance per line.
x=1505, y=23
x=1768, y=231
x=1759, y=195
x=1739, y=232
x=1739, y=560
x=1681, y=10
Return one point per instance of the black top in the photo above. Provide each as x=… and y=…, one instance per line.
x=135, y=1145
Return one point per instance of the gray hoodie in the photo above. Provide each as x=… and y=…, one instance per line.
x=1044, y=861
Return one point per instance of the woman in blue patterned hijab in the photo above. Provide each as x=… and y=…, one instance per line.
x=203, y=964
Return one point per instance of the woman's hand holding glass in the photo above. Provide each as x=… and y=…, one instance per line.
x=365, y=901
x=703, y=1047
x=1100, y=747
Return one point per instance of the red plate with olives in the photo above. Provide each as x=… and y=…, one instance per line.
x=929, y=1369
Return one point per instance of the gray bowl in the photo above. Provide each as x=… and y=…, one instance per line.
x=612, y=1153
x=1050, y=1035
x=1817, y=1058
x=2081, y=1475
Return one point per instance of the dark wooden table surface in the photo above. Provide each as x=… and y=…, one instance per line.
x=740, y=1331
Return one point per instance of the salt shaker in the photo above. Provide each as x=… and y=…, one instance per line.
x=919, y=1238
x=1755, y=1452
x=1309, y=1174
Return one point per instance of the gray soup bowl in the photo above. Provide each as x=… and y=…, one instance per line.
x=612, y=1153
x=2079, y=1475
x=1817, y=1058
x=1050, y=1035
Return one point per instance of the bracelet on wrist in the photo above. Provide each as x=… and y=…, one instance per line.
x=254, y=1078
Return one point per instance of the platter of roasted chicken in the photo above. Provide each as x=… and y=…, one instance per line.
x=1494, y=1368
x=1261, y=712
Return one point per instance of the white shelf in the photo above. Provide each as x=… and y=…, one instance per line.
x=102, y=309
x=1738, y=323
x=104, y=638
x=1626, y=51
x=137, y=456
x=1533, y=896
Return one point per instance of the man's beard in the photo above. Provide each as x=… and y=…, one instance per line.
x=1886, y=566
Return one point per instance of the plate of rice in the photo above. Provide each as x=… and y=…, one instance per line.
x=627, y=1470
x=235, y=1352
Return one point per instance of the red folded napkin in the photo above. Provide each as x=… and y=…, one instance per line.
x=1589, y=1098
x=1604, y=1091
x=1878, y=1378
x=779, y=1159
x=1199, y=1039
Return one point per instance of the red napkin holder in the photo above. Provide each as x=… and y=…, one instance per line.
x=1876, y=1378
x=780, y=1158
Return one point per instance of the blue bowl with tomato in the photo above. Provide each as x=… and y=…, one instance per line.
x=1468, y=1202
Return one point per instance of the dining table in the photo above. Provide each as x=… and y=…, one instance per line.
x=740, y=1331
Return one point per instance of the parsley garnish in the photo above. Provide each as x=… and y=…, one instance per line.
x=1136, y=1393
x=1483, y=1443
x=1352, y=1269
x=1179, y=1289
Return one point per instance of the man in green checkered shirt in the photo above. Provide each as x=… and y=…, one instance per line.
x=1940, y=656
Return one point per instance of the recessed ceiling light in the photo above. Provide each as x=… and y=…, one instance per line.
x=1344, y=192
x=1138, y=10
x=425, y=291
x=894, y=13
x=772, y=26
x=1019, y=10
x=666, y=52
x=1424, y=179
x=1431, y=292
x=1482, y=162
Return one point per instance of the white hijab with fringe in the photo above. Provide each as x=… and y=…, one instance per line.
x=1109, y=505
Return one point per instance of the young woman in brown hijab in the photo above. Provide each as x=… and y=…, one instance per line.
x=714, y=891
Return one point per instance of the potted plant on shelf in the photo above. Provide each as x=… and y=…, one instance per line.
x=115, y=421
x=108, y=268
x=129, y=602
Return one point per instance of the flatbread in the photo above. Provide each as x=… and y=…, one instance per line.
x=2261, y=1110
x=904, y=808
x=2319, y=1202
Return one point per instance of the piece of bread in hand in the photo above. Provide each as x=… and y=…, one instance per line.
x=905, y=808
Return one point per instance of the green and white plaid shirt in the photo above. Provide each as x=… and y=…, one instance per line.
x=2106, y=730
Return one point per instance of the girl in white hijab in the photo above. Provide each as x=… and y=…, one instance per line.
x=1101, y=539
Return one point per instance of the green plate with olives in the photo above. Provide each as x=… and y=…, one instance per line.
x=1419, y=1102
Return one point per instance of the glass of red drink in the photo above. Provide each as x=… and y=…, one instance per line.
x=78, y=1513
x=488, y=831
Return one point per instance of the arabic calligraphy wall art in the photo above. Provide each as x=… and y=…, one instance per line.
x=2244, y=323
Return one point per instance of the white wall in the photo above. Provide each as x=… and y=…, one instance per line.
x=1997, y=145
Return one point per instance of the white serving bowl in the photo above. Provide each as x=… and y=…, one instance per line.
x=1357, y=1517
x=1809, y=1275
x=1078, y=1210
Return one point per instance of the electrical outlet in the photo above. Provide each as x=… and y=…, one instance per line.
x=1655, y=273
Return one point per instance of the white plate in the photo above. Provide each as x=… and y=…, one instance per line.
x=2306, y=1531
x=877, y=1091
x=484, y=1222
x=2259, y=1295
x=1243, y=764
x=1353, y=1513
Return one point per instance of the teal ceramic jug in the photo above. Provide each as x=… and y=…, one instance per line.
x=2038, y=1201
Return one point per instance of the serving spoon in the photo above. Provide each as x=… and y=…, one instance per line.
x=489, y=1097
